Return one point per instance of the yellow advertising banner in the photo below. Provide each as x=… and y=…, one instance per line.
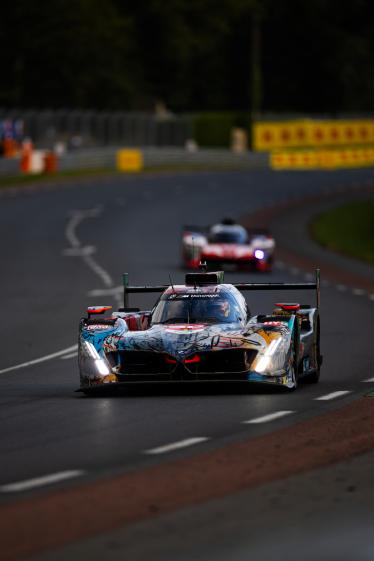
x=268, y=136
x=129, y=160
x=322, y=159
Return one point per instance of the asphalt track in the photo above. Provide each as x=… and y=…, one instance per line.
x=60, y=244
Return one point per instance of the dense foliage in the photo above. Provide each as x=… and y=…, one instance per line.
x=242, y=55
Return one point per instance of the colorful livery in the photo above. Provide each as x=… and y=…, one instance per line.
x=201, y=331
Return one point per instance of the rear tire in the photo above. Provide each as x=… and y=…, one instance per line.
x=313, y=378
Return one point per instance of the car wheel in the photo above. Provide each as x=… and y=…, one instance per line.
x=317, y=357
x=292, y=371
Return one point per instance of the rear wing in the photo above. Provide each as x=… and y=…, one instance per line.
x=316, y=285
x=127, y=289
x=198, y=230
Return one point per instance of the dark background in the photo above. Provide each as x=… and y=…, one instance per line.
x=314, y=56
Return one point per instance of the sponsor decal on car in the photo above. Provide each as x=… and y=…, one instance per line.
x=185, y=328
x=95, y=326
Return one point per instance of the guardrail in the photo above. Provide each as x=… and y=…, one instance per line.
x=108, y=158
x=133, y=160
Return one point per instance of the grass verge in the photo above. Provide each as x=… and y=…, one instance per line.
x=347, y=229
x=17, y=180
x=11, y=180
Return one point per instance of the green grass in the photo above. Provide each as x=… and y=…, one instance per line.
x=16, y=180
x=10, y=180
x=348, y=229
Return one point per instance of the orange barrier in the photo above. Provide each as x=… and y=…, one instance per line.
x=303, y=133
x=50, y=162
x=10, y=148
x=26, y=156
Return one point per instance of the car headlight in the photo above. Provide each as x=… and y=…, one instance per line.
x=259, y=254
x=100, y=364
x=273, y=357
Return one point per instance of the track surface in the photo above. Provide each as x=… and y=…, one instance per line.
x=59, y=245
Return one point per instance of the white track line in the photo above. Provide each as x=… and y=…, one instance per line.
x=369, y=380
x=77, y=216
x=70, y=355
x=267, y=418
x=86, y=253
x=342, y=287
x=177, y=445
x=115, y=290
x=41, y=359
x=332, y=395
x=358, y=291
x=98, y=270
x=40, y=481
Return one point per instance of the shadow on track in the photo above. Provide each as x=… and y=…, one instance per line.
x=183, y=389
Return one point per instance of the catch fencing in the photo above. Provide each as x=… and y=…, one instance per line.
x=94, y=128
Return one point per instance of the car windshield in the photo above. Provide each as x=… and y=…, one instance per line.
x=238, y=235
x=195, y=308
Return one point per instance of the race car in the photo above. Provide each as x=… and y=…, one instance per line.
x=201, y=331
x=227, y=243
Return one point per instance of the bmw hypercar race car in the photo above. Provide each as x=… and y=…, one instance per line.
x=200, y=331
x=227, y=244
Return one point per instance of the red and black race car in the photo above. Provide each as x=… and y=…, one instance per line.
x=227, y=243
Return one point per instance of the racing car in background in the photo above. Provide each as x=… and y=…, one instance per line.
x=201, y=331
x=227, y=243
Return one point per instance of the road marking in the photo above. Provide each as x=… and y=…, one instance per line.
x=41, y=359
x=79, y=251
x=115, y=290
x=177, y=445
x=268, y=418
x=341, y=287
x=40, y=481
x=96, y=268
x=76, y=218
x=369, y=380
x=332, y=395
x=70, y=355
x=358, y=291
x=76, y=250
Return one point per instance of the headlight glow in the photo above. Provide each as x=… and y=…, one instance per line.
x=91, y=350
x=102, y=367
x=259, y=254
x=266, y=359
x=100, y=364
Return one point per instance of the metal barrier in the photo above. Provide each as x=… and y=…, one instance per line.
x=107, y=158
x=163, y=157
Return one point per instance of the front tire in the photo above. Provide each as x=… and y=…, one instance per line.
x=293, y=365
